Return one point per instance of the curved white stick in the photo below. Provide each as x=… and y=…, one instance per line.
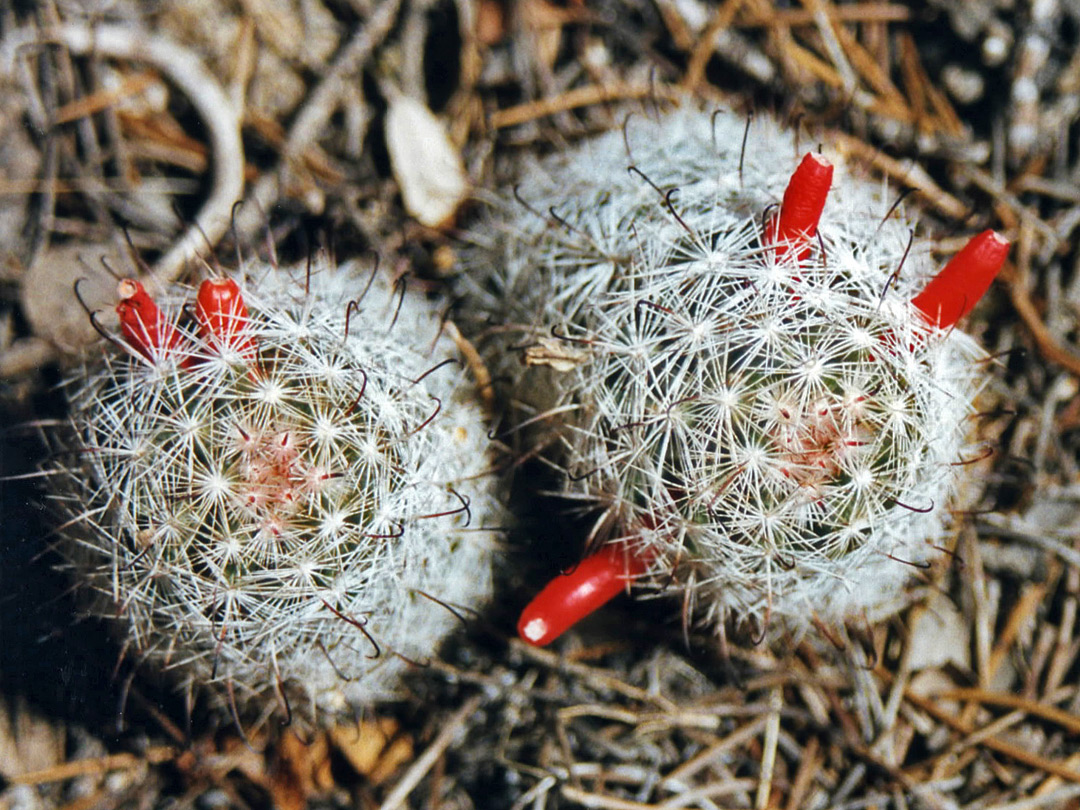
x=184, y=69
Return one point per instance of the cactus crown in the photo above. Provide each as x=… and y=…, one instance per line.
x=284, y=494
x=759, y=413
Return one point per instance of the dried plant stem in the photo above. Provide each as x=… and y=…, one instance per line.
x=1048, y=344
x=825, y=28
x=601, y=801
x=581, y=97
x=768, y=755
x=745, y=732
x=1006, y=197
x=906, y=175
x=1057, y=798
x=1068, y=721
x=591, y=675
x=1051, y=540
x=481, y=376
x=411, y=778
x=797, y=17
x=1030, y=601
x=101, y=100
x=96, y=765
x=313, y=114
x=870, y=70
x=809, y=763
x=706, y=44
x=1008, y=749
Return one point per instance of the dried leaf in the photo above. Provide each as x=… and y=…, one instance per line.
x=544, y=21
x=48, y=292
x=28, y=742
x=427, y=167
x=374, y=748
x=302, y=770
x=490, y=22
x=554, y=353
x=939, y=636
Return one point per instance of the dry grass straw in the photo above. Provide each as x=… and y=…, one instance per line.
x=884, y=718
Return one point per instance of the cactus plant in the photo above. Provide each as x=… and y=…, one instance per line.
x=766, y=415
x=280, y=493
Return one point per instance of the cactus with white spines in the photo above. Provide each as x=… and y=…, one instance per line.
x=752, y=377
x=276, y=494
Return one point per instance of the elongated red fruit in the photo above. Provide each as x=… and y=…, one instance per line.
x=223, y=316
x=804, y=200
x=954, y=291
x=142, y=323
x=569, y=598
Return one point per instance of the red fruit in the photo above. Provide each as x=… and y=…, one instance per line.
x=569, y=598
x=223, y=316
x=954, y=291
x=800, y=212
x=142, y=323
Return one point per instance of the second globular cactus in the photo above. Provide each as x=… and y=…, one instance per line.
x=279, y=489
x=753, y=381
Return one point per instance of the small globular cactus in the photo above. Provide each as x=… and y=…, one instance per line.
x=753, y=373
x=279, y=487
